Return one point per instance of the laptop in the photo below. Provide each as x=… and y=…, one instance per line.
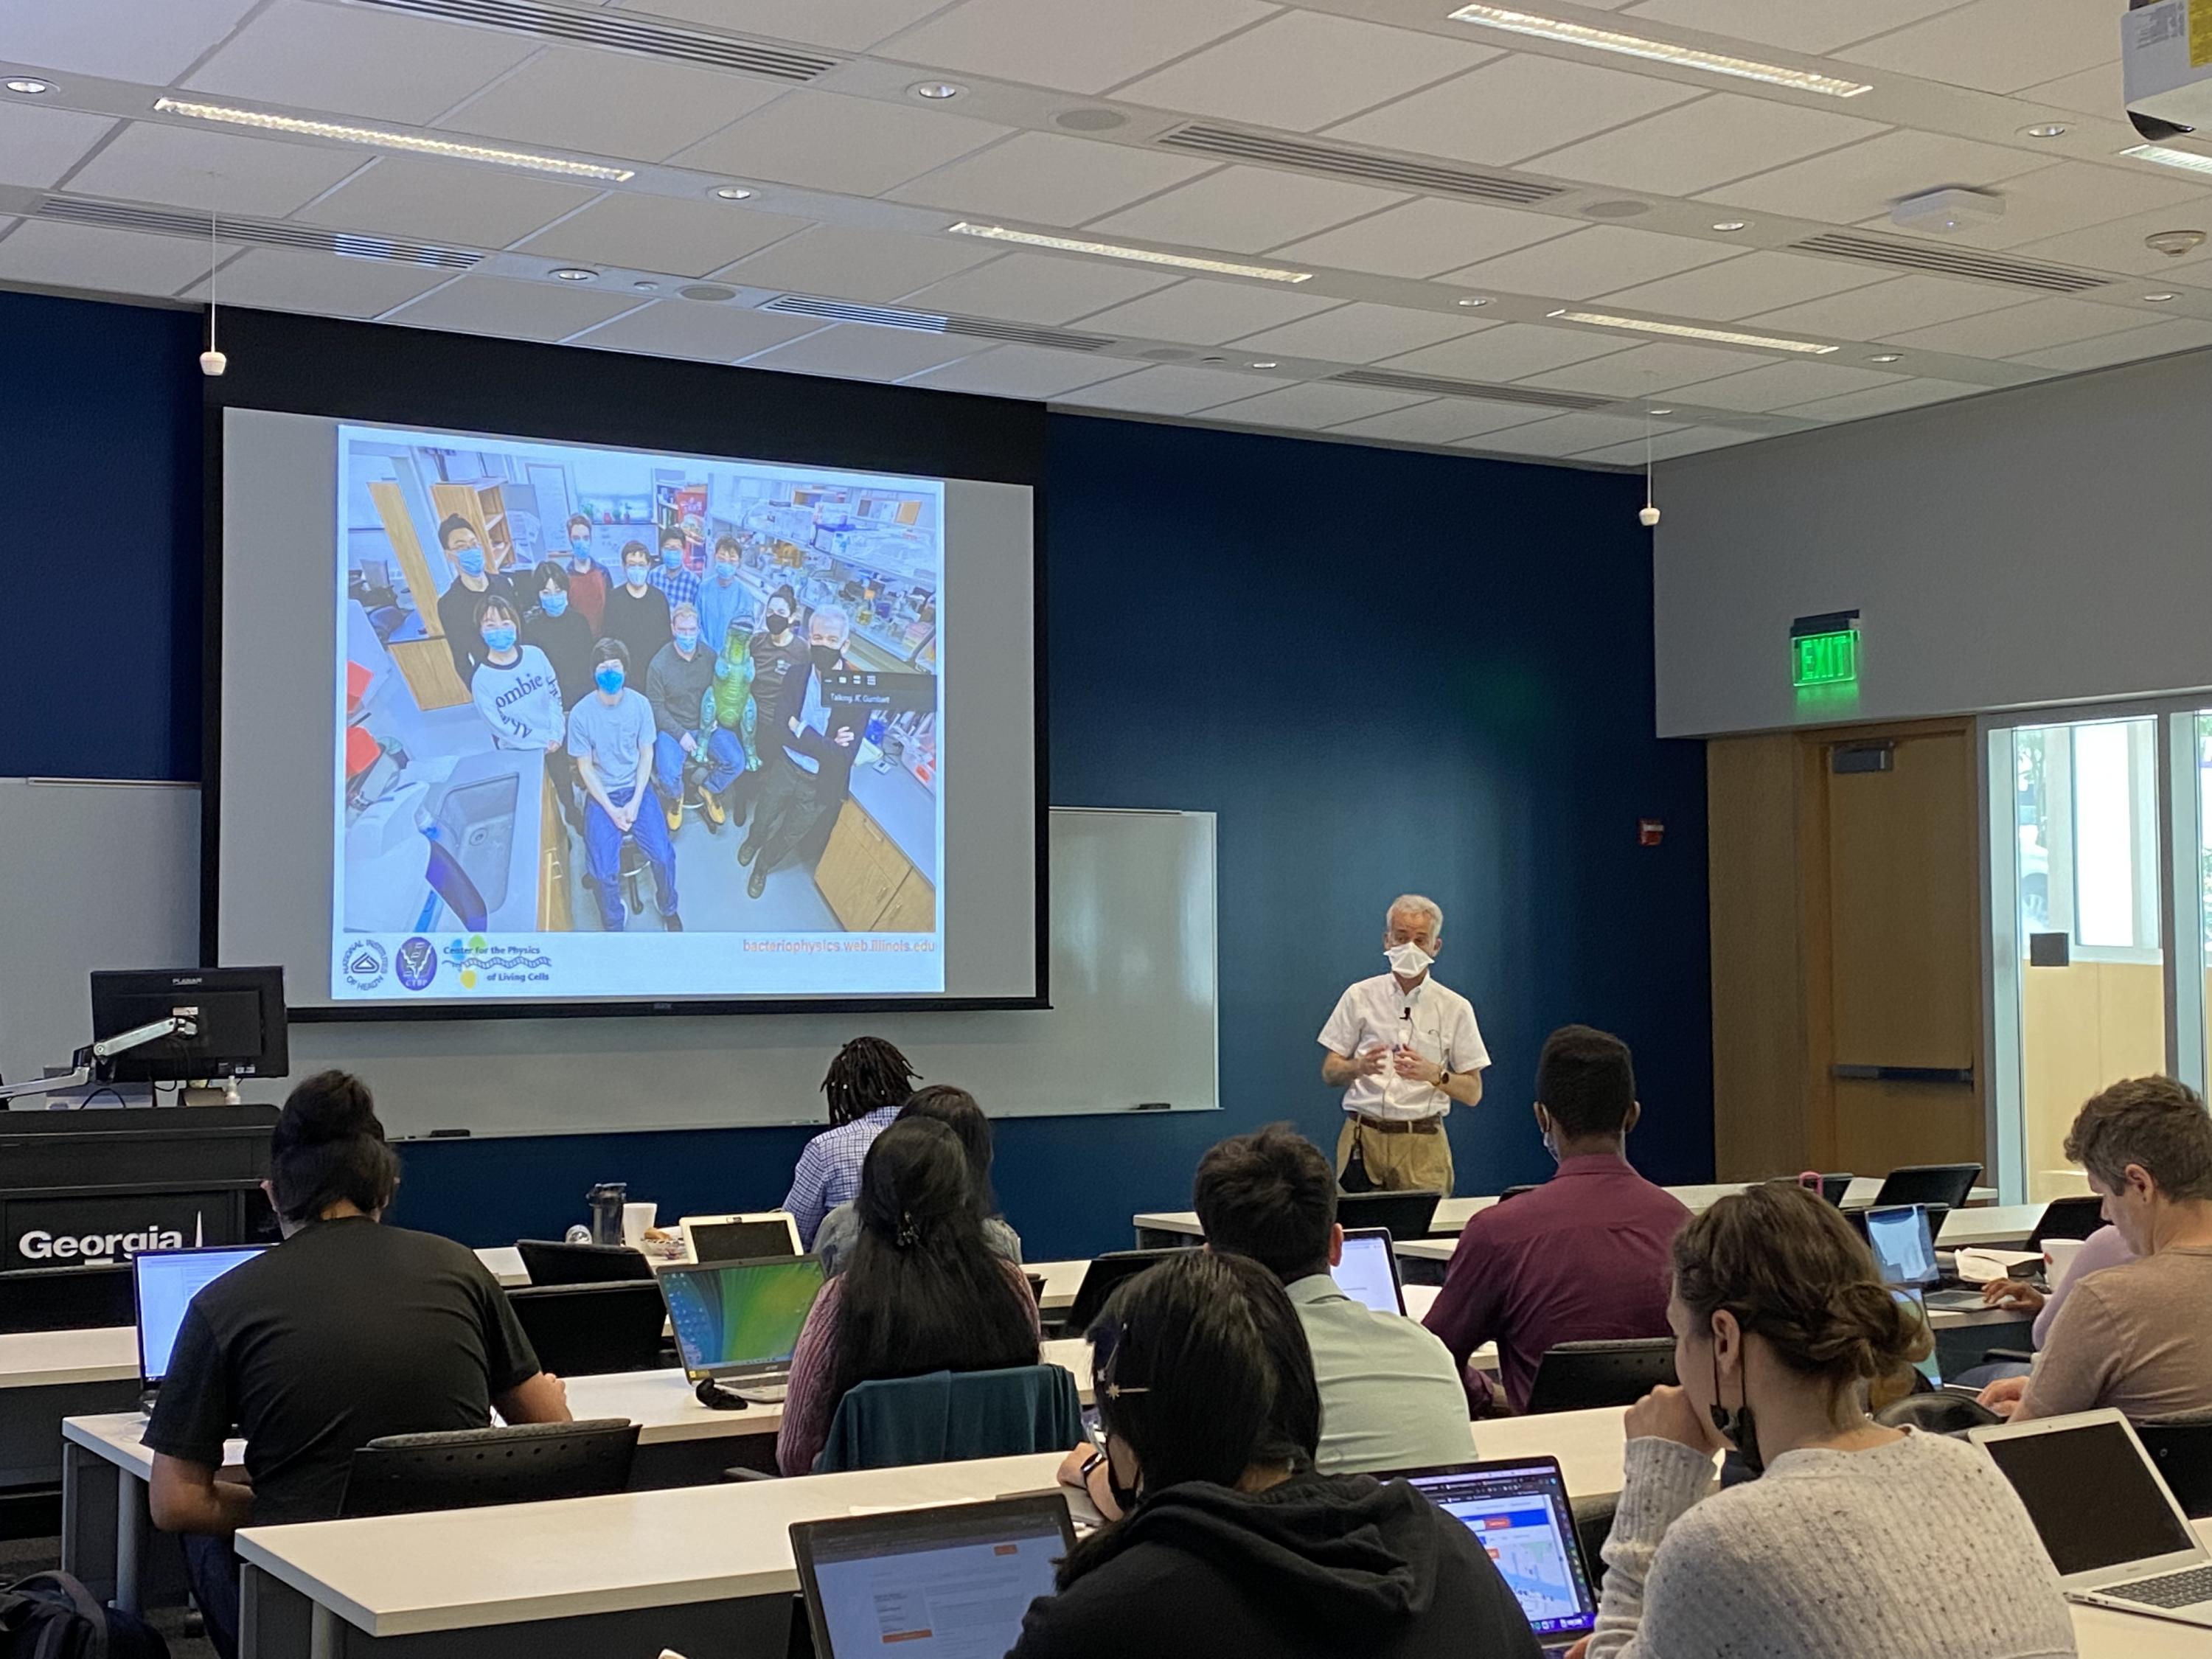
x=737, y=1322
x=1904, y=1246
x=1369, y=1271
x=2114, y=1531
x=950, y=1583
x=739, y=1237
x=164, y=1283
x=1519, y=1511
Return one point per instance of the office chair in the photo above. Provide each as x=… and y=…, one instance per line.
x=1932, y=1413
x=2182, y=1448
x=549, y=1263
x=587, y=1330
x=1099, y=1280
x=66, y=1299
x=2067, y=1218
x=1947, y=1184
x=1406, y=1215
x=1574, y=1376
x=1511, y=1191
x=950, y=1416
x=471, y=1468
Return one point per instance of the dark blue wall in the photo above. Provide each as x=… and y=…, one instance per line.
x=1383, y=670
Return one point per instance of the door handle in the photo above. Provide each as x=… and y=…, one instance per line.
x=1961, y=1075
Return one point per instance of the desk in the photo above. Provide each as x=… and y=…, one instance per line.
x=47, y=1375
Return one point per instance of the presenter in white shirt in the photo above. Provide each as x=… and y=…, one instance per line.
x=1403, y=1048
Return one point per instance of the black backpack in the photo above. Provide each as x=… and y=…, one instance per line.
x=50, y=1615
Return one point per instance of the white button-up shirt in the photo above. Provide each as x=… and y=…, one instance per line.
x=1441, y=1027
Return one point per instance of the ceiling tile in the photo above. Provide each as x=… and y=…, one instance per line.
x=661, y=232
x=1508, y=352
x=1426, y=237
x=1204, y=311
x=607, y=103
x=874, y=265
x=1515, y=107
x=1270, y=77
x=2180, y=334
x=1444, y=421
x=1883, y=400
x=1690, y=440
x=1594, y=261
x=124, y=40
x=1313, y=404
x=1860, y=181
x=1642, y=370
x=357, y=61
x=37, y=146
x=1570, y=434
x=2118, y=245
x=1037, y=287
x=823, y=140
x=1360, y=333
x=1248, y=210
x=2032, y=327
x=1084, y=45
x=1760, y=281
x=443, y=201
x=1166, y=389
x=687, y=328
x=1805, y=26
x=1693, y=147
x=1998, y=46
x=1778, y=386
x=1050, y=179
x=518, y=310
x=860, y=351
x=292, y=279
x=2098, y=91
x=1019, y=370
x=1883, y=309
x=854, y=25
x=44, y=254
x=2055, y=199
x=194, y=167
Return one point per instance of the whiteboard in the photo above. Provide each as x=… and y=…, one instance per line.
x=1132, y=984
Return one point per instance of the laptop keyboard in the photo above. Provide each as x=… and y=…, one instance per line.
x=2174, y=1590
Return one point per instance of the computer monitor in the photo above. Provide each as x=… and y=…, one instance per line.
x=1902, y=1245
x=165, y=1282
x=1369, y=1271
x=735, y=1320
x=240, y=1011
x=741, y=1238
x=1518, y=1512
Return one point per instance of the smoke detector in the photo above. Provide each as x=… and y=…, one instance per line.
x=2174, y=243
x=1939, y=212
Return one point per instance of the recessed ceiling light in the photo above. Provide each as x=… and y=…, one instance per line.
x=2044, y=130
x=1659, y=412
x=28, y=86
x=1658, y=51
x=1143, y=255
x=648, y=287
x=574, y=274
x=732, y=192
x=1265, y=362
x=1685, y=331
x=937, y=91
x=1731, y=224
x=2159, y=298
x=1887, y=357
x=1472, y=303
x=2166, y=157
x=381, y=139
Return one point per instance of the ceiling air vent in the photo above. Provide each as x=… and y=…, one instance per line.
x=621, y=32
x=264, y=233
x=1435, y=385
x=1950, y=262
x=1370, y=167
x=927, y=322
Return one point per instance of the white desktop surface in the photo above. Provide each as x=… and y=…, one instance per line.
x=505, y=1263
x=40, y=1359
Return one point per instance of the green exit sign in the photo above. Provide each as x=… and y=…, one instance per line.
x=1829, y=659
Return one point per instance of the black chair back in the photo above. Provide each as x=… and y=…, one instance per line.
x=1100, y=1278
x=67, y=1299
x=1947, y=1184
x=2067, y=1218
x=549, y=1263
x=584, y=1330
x=1932, y=1411
x=1406, y=1215
x=470, y=1468
x=1575, y=1376
x=2183, y=1453
x=1511, y=1191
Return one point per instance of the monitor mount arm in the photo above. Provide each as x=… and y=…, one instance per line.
x=82, y=1063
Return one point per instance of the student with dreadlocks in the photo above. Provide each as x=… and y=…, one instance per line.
x=866, y=1086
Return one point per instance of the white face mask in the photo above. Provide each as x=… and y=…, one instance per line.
x=1409, y=961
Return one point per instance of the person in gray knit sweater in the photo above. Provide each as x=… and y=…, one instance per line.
x=1835, y=1551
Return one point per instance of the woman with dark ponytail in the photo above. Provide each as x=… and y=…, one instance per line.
x=924, y=1290
x=1780, y=1323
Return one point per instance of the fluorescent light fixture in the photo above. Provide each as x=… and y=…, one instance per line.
x=1143, y=255
x=1684, y=332
x=2166, y=157
x=1656, y=52
x=383, y=139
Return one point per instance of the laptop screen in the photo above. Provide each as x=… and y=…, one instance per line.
x=1518, y=1512
x=936, y=1584
x=166, y=1281
x=1904, y=1250
x=739, y=1316
x=739, y=1240
x=1931, y=1367
x=2094, y=1498
x=1365, y=1274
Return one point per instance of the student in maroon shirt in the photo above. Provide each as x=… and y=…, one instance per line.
x=1583, y=1257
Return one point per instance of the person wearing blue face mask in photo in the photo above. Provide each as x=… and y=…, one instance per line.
x=587, y=579
x=679, y=684
x=723, y=597
x=473, y=583
x=674, y=578
x=514, y=687
x=557, y=626
x=610, y=735
x=637, y=612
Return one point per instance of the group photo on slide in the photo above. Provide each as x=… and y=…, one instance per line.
x=584, y=691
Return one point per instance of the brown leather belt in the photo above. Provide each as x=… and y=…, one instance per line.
x=1400, y=1126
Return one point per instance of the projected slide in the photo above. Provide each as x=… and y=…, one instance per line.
x=621, y=724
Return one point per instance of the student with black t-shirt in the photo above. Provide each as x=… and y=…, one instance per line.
x=346, y=1332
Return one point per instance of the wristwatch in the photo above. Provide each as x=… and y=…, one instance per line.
x=1444, y=1082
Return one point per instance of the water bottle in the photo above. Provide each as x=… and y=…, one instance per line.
x=606, y=1201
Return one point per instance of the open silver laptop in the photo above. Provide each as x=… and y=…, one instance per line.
x=2114, y=1531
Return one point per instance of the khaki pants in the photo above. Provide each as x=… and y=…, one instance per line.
x=1419, y=1161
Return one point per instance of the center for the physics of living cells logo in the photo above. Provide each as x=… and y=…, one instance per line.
x=365, y=965
x=416, y=962
x=464, y=954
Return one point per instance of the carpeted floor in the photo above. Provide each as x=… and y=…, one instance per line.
x=21, y=1557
